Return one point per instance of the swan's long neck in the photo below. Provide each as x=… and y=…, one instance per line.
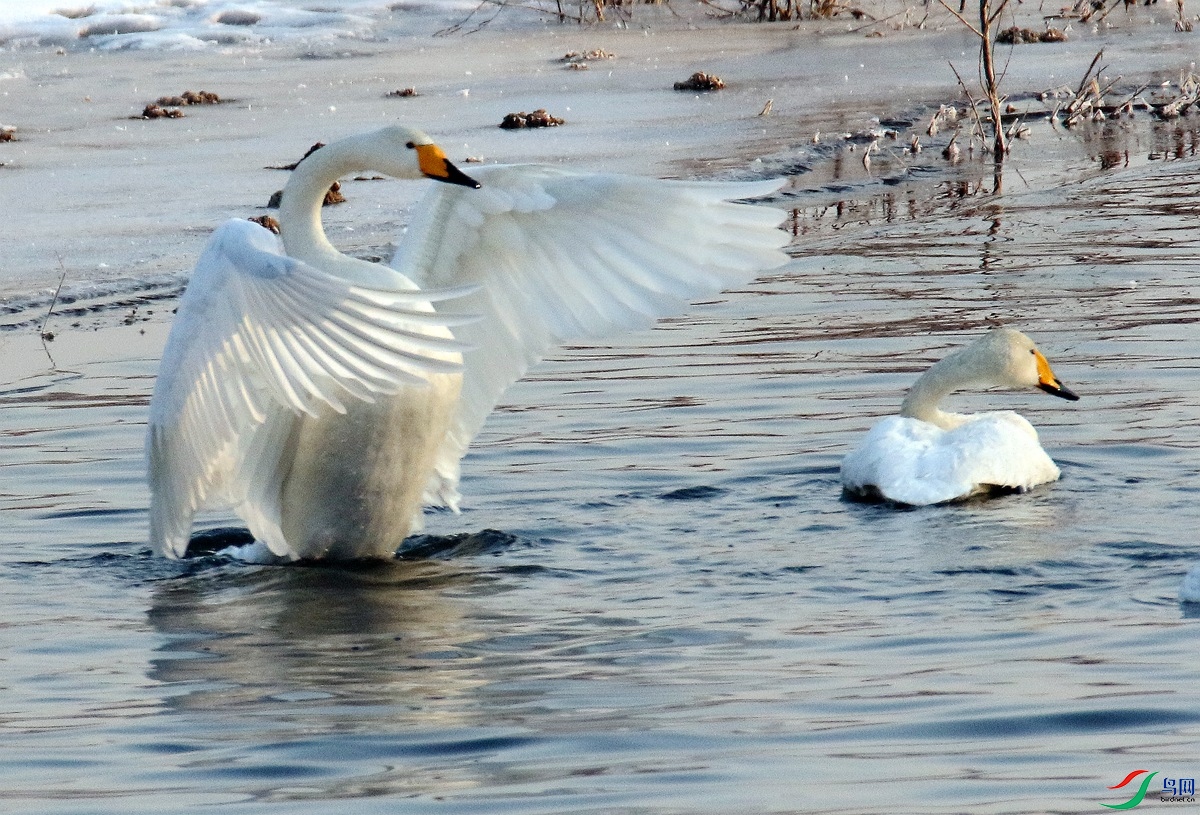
x=942, y=379
x=303, y=196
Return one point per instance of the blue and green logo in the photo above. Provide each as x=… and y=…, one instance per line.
x=1137, y=796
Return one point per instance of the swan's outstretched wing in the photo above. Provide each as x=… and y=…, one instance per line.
x=260, y=338
x=561, y=255
x=917, y=463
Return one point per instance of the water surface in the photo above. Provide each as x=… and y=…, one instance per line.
x=662, y=605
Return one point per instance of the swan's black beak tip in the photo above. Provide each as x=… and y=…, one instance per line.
x=1057, y=389
x=456, y=176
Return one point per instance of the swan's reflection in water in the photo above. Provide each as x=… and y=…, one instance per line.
x=301, y=682
x=378, y=633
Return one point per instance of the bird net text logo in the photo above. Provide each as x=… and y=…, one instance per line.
x=1174, y=790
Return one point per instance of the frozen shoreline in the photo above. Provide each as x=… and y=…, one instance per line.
x=107, y=197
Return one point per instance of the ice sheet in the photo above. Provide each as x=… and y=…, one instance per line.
x=111, y=199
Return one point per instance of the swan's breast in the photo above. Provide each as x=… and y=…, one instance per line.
x=356, y=480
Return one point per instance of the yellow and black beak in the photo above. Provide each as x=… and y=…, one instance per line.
x=1048, y=382
x=435, y=165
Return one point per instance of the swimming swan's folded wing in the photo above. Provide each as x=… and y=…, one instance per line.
x=257, y=331
x=916, y=463
x=560, y=255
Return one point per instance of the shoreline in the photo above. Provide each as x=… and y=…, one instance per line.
x=120, y=203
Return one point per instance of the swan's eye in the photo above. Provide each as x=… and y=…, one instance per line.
x=411, y=146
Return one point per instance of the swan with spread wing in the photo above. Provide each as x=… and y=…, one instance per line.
x=326, y=398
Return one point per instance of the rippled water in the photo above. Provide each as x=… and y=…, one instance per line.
x=663, y=605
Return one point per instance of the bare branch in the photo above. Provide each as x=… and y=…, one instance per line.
x=962, y=19
x=999, y=10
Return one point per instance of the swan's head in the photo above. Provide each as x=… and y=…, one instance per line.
x=1002, y=357
x=1008, y=357
x=405, y=152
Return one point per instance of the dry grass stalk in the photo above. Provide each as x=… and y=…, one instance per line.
x=988, y=15
x=1088, y=103
x=1188, y=97
x=771, y=11
x=49, y=335
x=978, y=130
x=1181, y=24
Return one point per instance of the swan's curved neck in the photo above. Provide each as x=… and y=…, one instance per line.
x=942, y=379
x=303, y=195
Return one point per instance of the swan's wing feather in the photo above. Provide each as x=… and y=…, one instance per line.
x=260, y=338
x=559, y=255
x=916, y=463
x=903, y=460
x=1001, y=449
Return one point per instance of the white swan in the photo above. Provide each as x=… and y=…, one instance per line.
x=324, y=398
x=1189, y=590
x=927, y=456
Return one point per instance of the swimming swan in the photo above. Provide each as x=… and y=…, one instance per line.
x=1189, y=590
x=927, y=456
x=325, y=399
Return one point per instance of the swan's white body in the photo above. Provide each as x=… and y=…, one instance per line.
x=1189, y=590
x=927, y=456
x=327, y=459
